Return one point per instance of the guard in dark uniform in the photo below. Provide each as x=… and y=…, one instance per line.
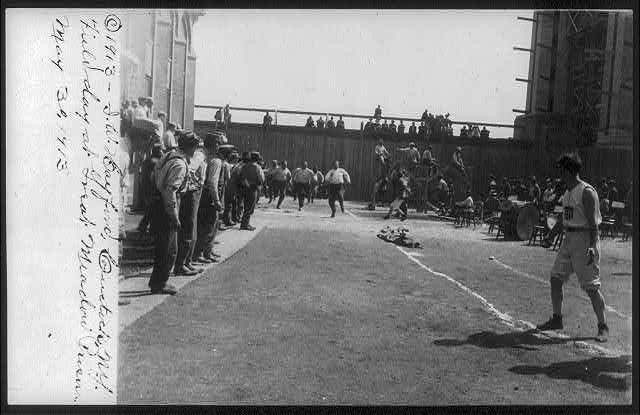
x=170, y=178
x=251, y=179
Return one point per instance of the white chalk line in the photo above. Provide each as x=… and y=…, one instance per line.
x=505, y=318
x=546, y=282
x=351, y=214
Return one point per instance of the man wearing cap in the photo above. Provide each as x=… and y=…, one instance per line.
x=169, y=139
x=210, y=201
x=251, y=179
x=189, y=204
x=336, y=178
x=579, y=252
x=170, y=177
x=302, y=181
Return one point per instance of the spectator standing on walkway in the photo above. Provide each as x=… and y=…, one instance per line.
x=229, y=213
x=170, y=176
x=147, y=186
x=336, y=178
x=189, y=205
x=210, y=202
x=251, y=180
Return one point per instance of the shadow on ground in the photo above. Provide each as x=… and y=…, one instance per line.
x=519, y=340
x=596, y=371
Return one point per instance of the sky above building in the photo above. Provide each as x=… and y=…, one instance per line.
x=346, y=61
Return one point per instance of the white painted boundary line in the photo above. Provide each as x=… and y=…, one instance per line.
x=351, y=214
x=546, y=282
x=505, y=318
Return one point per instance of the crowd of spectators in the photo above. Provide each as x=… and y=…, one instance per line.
x=321, y=123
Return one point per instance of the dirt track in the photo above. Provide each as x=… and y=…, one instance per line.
x=319, y=311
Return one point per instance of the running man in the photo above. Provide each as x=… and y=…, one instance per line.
x=580, y=249
x=336, y=179
x=302, y=181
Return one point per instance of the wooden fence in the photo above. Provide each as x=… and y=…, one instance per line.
x=356, y=153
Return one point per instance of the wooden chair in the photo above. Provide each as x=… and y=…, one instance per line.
x=493, y=221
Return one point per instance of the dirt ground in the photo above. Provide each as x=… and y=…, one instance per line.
x=317, y=310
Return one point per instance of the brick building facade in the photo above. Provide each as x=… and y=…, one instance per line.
x=158, y=61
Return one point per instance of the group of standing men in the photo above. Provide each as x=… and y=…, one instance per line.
x=192, y=186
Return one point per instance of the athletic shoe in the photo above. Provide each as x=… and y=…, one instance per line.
x=192, y=268
x=202, y=259
x=167, y=289
x=603, y=333
x=248, y=228
x=554, y=323
x=184, y=272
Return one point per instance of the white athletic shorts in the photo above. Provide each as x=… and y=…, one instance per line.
x=572, y=257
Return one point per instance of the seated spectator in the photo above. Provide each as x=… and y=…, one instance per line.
x=484, y=134
x=369, y=125
x=421, y=129
x=392, y=126
x=505, y=192
x=464, y=132
x=412, y=129
x=266, y=120
x=310, y=123
x=320, y=122
x=401, y=128
x=377, y=113
x=331, y=123
x=475, y=132
x=340, y=123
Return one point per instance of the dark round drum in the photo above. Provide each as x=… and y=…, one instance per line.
x=528, y=218
x=518, y=218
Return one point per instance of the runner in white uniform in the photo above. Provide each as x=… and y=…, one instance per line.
x=580, y=249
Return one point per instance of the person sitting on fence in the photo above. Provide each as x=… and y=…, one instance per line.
x=331, y=123
x=412, y=129
x=463, y=132
x=402, y=189
x=401, y=128
x=392, y=126
x=484, y=134
x=266, y=120
x=340, y=123
x=422, y=130
x=320, y=122
x=475, y=132
x=310, y=123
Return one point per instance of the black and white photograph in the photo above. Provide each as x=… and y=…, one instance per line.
x=422, y=207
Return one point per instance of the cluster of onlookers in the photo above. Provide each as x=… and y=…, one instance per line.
x=474, y=131
x=321, y=123
x=431, y=126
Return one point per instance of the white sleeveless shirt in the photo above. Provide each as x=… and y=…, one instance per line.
x=574, y=215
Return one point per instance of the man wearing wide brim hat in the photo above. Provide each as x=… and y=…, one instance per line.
x=211, y=200
x=170, y=179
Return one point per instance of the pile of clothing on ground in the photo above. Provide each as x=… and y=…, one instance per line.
x=398, y=236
